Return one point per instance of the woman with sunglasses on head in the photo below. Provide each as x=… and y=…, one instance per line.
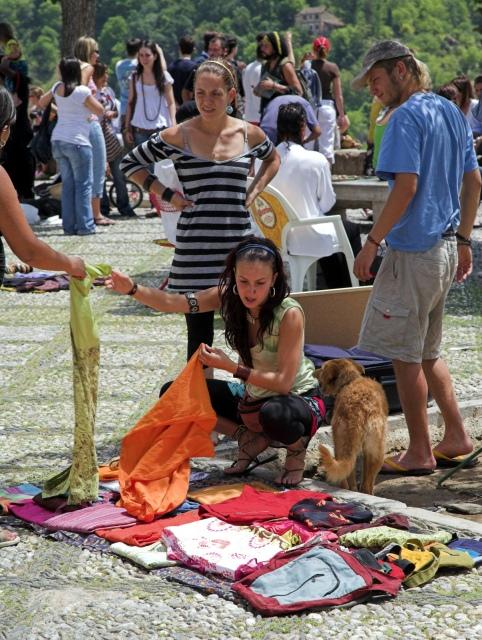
x=212, y=155
x=87, y=51
x=278, y=400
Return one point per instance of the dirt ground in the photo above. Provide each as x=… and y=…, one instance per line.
x=462, y=489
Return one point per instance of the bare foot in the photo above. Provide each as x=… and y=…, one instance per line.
x=250, y=445
x=452, y=449
x=407, y=460
x=292, y=474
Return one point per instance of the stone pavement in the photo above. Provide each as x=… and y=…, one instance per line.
x=54, y=591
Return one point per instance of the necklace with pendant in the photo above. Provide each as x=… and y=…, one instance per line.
x=251, y=319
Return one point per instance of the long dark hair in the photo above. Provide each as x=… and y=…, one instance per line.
x=233, y=311
x=8, y=113
x=70, y=74
x=280, y=49
x=157, y=69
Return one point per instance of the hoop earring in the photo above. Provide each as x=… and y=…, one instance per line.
x=272, y=292
x=229, y=109
x=235, y=290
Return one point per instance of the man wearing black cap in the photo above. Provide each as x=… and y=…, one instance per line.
x=427, y=156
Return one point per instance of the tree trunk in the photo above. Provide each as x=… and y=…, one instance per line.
x=78, y=19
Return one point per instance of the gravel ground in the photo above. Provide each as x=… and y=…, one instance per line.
x=50, y=590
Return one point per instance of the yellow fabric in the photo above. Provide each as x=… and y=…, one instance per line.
x=219, y=493
x=80, y=482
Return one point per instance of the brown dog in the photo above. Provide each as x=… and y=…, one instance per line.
x=359, y=424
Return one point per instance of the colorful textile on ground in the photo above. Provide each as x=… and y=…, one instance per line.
x=319, y=577
x=41, y=282
x=328, y=514
x=284, y=525
x=205, y=584
x=80, y=482
x=153, y=556
x=471, y=545
x=396, y=520
x=257, y=506
x=14, y=494
x=213, y=546
x=155, y=454
x=379, y=537
x=141, y=535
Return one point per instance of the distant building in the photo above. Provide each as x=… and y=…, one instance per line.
x=317, y=20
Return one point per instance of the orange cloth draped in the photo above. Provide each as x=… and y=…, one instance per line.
x=155, y=454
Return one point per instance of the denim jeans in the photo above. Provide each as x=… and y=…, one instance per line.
x=119, y=181
x=75, y=164
x=99, y=158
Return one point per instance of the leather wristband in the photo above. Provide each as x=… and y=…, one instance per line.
x=371, y=240
x=242, y=372
x=148, y=182
x=133, y=291
x=167, y=194
x=463, y=240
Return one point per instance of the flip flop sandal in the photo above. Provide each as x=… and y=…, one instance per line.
x=396, y=469
x=444, y=462
x=8, y=538
x=103, y=222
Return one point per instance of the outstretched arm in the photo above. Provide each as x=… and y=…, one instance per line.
x=207, y=300
x=23, y=242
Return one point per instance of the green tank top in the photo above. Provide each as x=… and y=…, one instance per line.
x=265, y=357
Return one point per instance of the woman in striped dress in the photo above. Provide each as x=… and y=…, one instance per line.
x=212, y=155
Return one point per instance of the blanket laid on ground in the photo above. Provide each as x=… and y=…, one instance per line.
x=155, y=454
x=80, y=482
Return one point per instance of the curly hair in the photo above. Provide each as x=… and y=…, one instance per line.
x=233, y=311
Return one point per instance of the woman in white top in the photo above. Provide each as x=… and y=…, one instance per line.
x=151, y=106
x=87, y=51
x=71, y=146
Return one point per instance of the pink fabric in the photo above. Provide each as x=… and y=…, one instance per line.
x=30, y=512
x=100, y=516
x=214, y=546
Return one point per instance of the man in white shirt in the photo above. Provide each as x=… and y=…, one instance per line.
x=304, y=178
x=251, y=78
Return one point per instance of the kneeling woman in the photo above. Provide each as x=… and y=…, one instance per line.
x=279, y=401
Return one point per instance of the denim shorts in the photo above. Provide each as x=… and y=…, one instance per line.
x=403, y=318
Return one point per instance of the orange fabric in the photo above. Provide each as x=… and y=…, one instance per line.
x=110, y=470
x=155, y=454
x=141, y=535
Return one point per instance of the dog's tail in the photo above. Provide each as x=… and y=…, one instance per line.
x=336, y=470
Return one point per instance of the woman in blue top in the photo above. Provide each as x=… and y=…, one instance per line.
x=278, y=400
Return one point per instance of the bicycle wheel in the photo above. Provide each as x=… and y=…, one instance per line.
x=134, y=192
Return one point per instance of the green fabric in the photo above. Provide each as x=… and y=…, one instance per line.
x=382, y=536
x=79, y=483
x=265, y=358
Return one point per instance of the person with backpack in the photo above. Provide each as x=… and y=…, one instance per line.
x=278, y=75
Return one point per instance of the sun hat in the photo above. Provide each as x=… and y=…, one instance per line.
x=383, y=50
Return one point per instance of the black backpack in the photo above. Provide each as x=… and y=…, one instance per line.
x=40, y=145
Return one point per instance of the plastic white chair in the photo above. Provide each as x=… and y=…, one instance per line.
x=277, y=220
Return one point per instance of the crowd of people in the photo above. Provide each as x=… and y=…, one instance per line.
x=202, y=114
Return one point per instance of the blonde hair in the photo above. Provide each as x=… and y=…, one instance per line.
x=84, y=48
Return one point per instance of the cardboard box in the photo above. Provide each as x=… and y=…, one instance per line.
x=333, y=316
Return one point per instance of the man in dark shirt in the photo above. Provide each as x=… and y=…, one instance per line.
x=181, y=69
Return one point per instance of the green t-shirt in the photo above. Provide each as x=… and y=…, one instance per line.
x=265, y=357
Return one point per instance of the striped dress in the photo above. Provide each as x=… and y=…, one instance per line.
x=218, y=220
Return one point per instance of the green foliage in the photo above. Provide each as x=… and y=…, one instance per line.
x=443, y=33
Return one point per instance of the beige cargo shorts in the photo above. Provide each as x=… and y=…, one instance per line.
x=403, y=318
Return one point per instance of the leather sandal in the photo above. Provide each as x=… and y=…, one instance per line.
x=244, y=456
x=293, y=454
